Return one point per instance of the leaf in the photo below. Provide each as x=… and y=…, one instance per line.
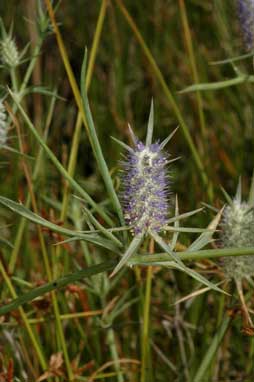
x=181, y=266
x=57, y=164
x=56, y=284
x=218, y=85
x=31, y=216
x=212, y=349
x=232, y=59
x=134, y=245
x=206, y=237
x=96, y=144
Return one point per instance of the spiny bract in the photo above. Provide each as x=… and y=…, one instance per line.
x=237, y=231
x=3, y=125
x=145, y=183
x=245, y=10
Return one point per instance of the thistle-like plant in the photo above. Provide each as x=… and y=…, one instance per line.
x=245, y=11
x=145, y=196
x=237, y=231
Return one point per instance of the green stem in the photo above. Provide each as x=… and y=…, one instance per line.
x=188, y=41
x=212, y=350
x=14, y=80
x=160, y=258
x=143, y=260
x=145, y=334
x=114, y=353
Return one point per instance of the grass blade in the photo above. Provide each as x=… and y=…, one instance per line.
x=96, y=145
x=56, y=284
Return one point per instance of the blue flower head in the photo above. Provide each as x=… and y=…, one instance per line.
x=146, y=188
x=245, y=11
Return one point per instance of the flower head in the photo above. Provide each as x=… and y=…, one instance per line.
x=245, y=10
x=10, y=55
x=145, y=182
x=237, y=231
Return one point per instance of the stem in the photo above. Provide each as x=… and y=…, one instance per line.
x=188, y=41
x=145, y=348
x=14, y=80
x=212, y=350
x=160, y=258
x=114, y=353
x=109, y=265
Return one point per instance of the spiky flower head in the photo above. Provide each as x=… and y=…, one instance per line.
x=3, y=125
x=245, y=10
x=238, y=231
x=9, y=53
x=145, y=184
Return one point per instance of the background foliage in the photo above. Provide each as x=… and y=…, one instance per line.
x=208, y=327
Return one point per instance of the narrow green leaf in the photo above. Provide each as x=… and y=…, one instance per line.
x=96, y=144
x=56, y=284
x=31, y=216
x=200, y=375
x=218, y=85
x=206, y=237
x=181, y=266
x=58, y=165
x=134, y=245
x=232, y=59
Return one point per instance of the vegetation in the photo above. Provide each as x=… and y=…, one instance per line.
x=119, y=260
